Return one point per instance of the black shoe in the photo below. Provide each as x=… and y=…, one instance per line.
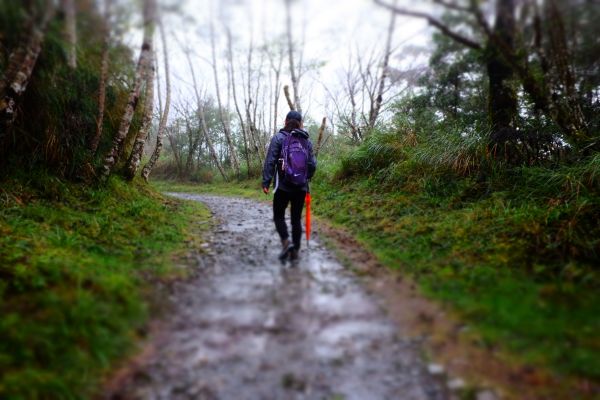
x=294, y=255
x=287, y=249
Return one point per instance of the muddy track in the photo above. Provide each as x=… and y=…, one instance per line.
x=248, y=327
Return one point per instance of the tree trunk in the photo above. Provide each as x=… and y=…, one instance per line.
x=275, y=90
x=70, y=32
x=235, y=100
x=376, y=109
x=21, y=64
x=251, y=122
x=502, y=100
x=222, y=117
x=286, y=92
x=103, y=78
x=248, y=100
x=255, y=123
x=294, y=76
x=202, y=117
x=194, y=141
x=140, y=140
x=175, y=151
x=573, y=112
x=566, y=114
x=190, y=135
x=276, y=95
x=354, y=128
x=165, y=113
x=320, y=136
x=144, y=63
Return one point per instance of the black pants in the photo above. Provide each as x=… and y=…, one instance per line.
x=280, y=203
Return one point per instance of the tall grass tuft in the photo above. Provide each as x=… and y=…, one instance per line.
x=378, y=152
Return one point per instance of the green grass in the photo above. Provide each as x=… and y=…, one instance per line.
x=245, y=188
x=75, y=266
x=518, y=259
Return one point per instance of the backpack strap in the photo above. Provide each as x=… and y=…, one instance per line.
x=282, y=157
x=276, y=181
x=283, y=153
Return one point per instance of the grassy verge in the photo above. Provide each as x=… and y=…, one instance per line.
x=514, y=250
x=75, y=265
x=479, y=259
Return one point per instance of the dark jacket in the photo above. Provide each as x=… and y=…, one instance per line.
x=272, y=161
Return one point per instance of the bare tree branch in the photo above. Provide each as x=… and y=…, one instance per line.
x=434, y=22
x=286, y=91
x=452, y=5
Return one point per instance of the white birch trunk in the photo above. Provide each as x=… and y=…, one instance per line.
x=70, y=32
x=144, y=61
x=103, y=78
x=276, y=92
x=294, y=76
x=251, y=123
x=140, y=140
x=21, y=64
x=164, y=114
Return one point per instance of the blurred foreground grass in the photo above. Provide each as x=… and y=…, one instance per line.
x=75, y=271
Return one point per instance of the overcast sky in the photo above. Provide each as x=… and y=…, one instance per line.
x=333, y=29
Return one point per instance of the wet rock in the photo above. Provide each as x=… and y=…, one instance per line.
x=456, y=384
x=436, y=369
x=487, y=395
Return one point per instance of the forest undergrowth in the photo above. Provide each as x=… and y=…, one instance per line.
x=78, y=268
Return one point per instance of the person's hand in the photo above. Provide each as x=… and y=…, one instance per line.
x=265, y=190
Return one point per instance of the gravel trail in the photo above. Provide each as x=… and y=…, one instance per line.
x=248, y=327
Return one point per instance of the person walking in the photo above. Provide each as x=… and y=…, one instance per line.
x=290, y=163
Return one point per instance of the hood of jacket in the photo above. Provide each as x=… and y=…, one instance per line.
x=298, y=132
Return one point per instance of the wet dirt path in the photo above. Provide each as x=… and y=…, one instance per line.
x=248, y=327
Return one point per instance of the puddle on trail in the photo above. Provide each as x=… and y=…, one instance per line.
x=249, y=328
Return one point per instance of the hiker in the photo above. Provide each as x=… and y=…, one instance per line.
x=290, y=152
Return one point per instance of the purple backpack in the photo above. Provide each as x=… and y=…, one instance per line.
x=294, y=154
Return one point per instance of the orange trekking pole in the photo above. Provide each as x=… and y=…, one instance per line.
x=307, y=200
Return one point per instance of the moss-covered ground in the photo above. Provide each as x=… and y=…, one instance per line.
x=482, y=259
x=76, y=266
